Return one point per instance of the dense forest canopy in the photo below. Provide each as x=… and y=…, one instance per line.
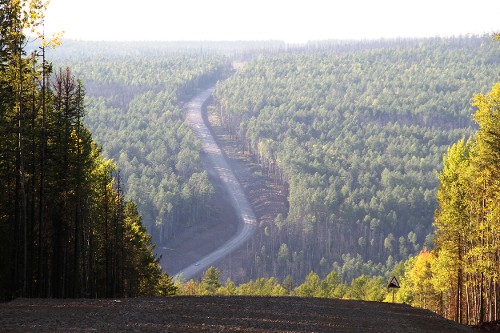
x=356, y=137
x=354, y=131
x=459, y=277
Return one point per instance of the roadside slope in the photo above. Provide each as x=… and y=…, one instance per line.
x=219, y=167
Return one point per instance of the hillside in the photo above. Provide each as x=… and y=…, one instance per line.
x=134, y=100
x=354, y=137
x=350, y=135
x=218, y=314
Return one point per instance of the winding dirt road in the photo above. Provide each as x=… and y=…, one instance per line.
x=219, y=167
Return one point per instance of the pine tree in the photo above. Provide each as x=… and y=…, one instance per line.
x=211, y=281
x=484, y=253
x=467, y=221
x=66, y=229
x=452, y=219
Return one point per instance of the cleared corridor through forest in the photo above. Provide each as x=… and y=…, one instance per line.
x=217, y=162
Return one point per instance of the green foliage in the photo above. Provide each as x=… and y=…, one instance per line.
x=361, y=288
x=366, y=289
x=65, y=228
x=311, y=286
x=144, y=271
x=262, y=287
x=463, y=267
x=355, y=135
x=135, y=95
x=210, y=282
x=288, y=284
x=332, y=286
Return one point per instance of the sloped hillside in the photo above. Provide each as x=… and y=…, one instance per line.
x=354, y=137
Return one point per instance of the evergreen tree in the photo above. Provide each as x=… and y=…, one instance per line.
x=463, y=268
x=65, y=228
x=452, y=220
x=211, y=281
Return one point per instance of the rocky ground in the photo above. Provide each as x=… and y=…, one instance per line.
x=218, y=314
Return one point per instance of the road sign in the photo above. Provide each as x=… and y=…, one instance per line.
x=394, y=283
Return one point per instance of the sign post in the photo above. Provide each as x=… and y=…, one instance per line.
x=393, y=284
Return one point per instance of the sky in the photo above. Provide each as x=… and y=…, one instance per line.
x=294, y=21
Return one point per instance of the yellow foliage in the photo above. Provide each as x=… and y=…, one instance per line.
x=54, y=41
x=417, y=288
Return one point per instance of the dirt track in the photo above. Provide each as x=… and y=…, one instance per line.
x=217, y=165
x=218, y=314
x=191, y=245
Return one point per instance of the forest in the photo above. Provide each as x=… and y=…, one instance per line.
x=354, y=132
x=355, y=137
x=135, y=95
x=387, y=152
x=66, y=228
x=459, y=277
x=462, y=269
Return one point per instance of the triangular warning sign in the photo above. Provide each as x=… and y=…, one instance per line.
x=394, y=283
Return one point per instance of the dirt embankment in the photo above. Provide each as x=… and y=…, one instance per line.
x=218, y=314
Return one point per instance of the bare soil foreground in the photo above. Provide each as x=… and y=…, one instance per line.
x=218, y=314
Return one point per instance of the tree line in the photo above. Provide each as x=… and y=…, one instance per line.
x=364, y=288
x=66, y=228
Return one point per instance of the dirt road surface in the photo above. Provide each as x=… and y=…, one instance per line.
x=266, y=198
x=219, y=314
x=218, y=166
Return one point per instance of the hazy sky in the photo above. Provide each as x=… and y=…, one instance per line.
x=289, y=20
